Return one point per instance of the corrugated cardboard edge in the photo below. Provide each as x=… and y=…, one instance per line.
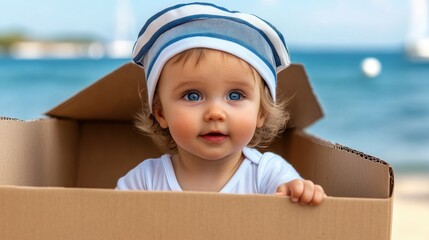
x=372, y=159
x=355, y=152
x=326, y=163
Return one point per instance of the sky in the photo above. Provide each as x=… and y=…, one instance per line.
x=311, y=24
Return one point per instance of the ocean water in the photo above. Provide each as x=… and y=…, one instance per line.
x=386, y=116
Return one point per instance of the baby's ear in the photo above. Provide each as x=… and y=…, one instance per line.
x=158, y=113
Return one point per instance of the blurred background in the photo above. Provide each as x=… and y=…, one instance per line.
x=368, y=62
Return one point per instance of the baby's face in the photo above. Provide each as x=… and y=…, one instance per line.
x=212, y=108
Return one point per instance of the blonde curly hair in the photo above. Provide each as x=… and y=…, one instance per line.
x=275, y=114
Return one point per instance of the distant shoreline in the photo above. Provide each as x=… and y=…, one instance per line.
x=410, y=168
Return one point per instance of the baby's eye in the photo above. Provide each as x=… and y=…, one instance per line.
x=235, y=95
x=192, y=96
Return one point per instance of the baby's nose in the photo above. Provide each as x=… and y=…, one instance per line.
x=215, y=112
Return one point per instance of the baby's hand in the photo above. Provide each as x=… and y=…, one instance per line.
x=302, y=191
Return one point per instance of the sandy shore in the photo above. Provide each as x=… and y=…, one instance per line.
x=411, y=207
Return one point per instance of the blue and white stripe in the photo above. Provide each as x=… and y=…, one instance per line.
x=204, y=25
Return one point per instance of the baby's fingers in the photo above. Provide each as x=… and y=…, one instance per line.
x=318, y=195
x=307, y=193
x=295, y=189
x=282, y=190
x=303, y=191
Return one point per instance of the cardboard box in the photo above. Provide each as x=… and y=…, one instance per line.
x=57, y=175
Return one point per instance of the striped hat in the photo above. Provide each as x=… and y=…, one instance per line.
x=204, y=25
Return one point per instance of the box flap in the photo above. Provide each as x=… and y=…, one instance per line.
x=116, y=97
x=342, y=171
x=303, y=105
x=55, y=213
x=30, y=152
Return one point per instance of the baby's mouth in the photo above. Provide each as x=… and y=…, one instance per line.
x=214, y=137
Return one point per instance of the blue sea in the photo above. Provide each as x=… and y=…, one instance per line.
x=386, y=116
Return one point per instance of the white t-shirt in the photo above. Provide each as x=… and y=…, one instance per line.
x=258, y=174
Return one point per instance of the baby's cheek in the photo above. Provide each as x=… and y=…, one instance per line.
x=244, y=129
x=183, y=127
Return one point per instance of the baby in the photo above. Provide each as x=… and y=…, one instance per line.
x=211, y=82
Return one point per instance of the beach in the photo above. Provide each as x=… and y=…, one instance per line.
x=411, y=207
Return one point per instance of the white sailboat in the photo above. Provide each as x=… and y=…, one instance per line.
x=417, y=45
x=122, y=45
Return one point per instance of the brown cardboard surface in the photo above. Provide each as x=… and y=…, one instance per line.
x=340, y=172
x=114, y=97
x=108, y=151
x=97, y=144
x=303, y=105
x=38, y=153
x=103, y=214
